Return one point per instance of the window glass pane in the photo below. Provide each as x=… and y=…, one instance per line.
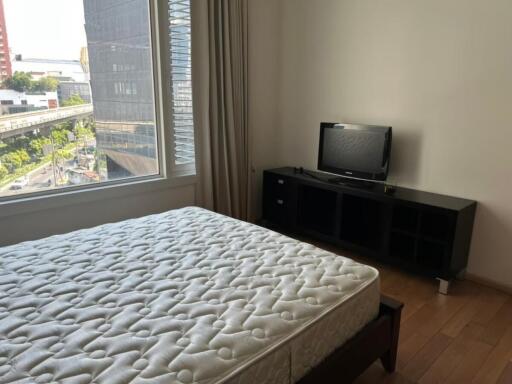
x=77, y=100
x=181, y=81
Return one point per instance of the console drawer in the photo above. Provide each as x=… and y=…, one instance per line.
x=278, y=186
x=277, y=198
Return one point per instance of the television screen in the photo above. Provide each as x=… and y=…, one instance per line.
x=359, y=151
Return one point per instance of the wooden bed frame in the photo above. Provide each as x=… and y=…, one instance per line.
x=378, y=340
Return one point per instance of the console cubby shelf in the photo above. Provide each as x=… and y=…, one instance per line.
x=317, y=215
x=361, y=220
x=420, y=231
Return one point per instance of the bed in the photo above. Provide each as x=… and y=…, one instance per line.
x=188, y=296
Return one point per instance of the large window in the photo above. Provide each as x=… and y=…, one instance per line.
x=78, y=100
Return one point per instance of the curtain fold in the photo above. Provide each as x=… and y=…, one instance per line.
x=221, y=68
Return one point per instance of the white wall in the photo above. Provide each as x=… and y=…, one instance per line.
x=37, y=100
x=41, y=100
x=264, y=68
x=439, y=72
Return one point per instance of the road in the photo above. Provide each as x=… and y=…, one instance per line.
x=41, y=178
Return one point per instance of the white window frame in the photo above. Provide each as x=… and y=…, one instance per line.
x=169, y=176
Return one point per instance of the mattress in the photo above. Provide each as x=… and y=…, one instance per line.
x=186, y=296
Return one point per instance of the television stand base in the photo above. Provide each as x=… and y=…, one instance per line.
x=354, y=183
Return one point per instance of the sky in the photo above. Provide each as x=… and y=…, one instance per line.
x=47, y=29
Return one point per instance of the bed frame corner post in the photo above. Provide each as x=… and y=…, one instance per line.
x=394, y=309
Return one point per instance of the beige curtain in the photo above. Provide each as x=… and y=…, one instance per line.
x=219, y=59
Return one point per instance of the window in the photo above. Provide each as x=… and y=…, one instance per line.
x=106, y=131
x=181, y=81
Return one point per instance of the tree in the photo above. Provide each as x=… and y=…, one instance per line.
x=73, y=100
x=83, y=132
x=20, y=81
x=3, y=171
x=60, y=136
x=45, y=84
x=15, y=159
x=20, y=142
x=63, y=154
x=36, y=145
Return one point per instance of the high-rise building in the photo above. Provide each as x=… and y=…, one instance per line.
x=119, y=50
x=67, y=89
x=5, y=54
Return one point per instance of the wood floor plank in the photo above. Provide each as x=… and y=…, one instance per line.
x=416, y=332
x=437, y=312
x=471, y=362
x=409, y=348
x=416, y=294
x=493, y=300
x=397, y=286
x=421, y=361
x=506, y=376
x=464, y=316
x=452, y=356
x=497, y=360
x=497, y=327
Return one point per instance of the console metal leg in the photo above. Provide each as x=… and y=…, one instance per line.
x=444, y=286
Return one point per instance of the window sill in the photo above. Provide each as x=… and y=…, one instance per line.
x=83, y=195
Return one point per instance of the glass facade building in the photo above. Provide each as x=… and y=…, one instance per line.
x=120, y=61
x=67, y=89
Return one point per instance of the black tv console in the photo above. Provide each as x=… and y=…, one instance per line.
x=420, y=231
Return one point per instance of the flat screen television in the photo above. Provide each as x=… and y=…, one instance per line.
x=356, y=151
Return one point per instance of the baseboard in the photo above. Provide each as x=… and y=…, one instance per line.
x=488, y=282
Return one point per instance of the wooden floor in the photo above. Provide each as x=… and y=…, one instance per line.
x=465, y=337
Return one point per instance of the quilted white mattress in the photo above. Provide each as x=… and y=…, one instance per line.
x=187, y=296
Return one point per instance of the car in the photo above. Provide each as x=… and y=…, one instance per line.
x=20, y=183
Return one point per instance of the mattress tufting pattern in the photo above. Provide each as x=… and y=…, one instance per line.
x=186, y=296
